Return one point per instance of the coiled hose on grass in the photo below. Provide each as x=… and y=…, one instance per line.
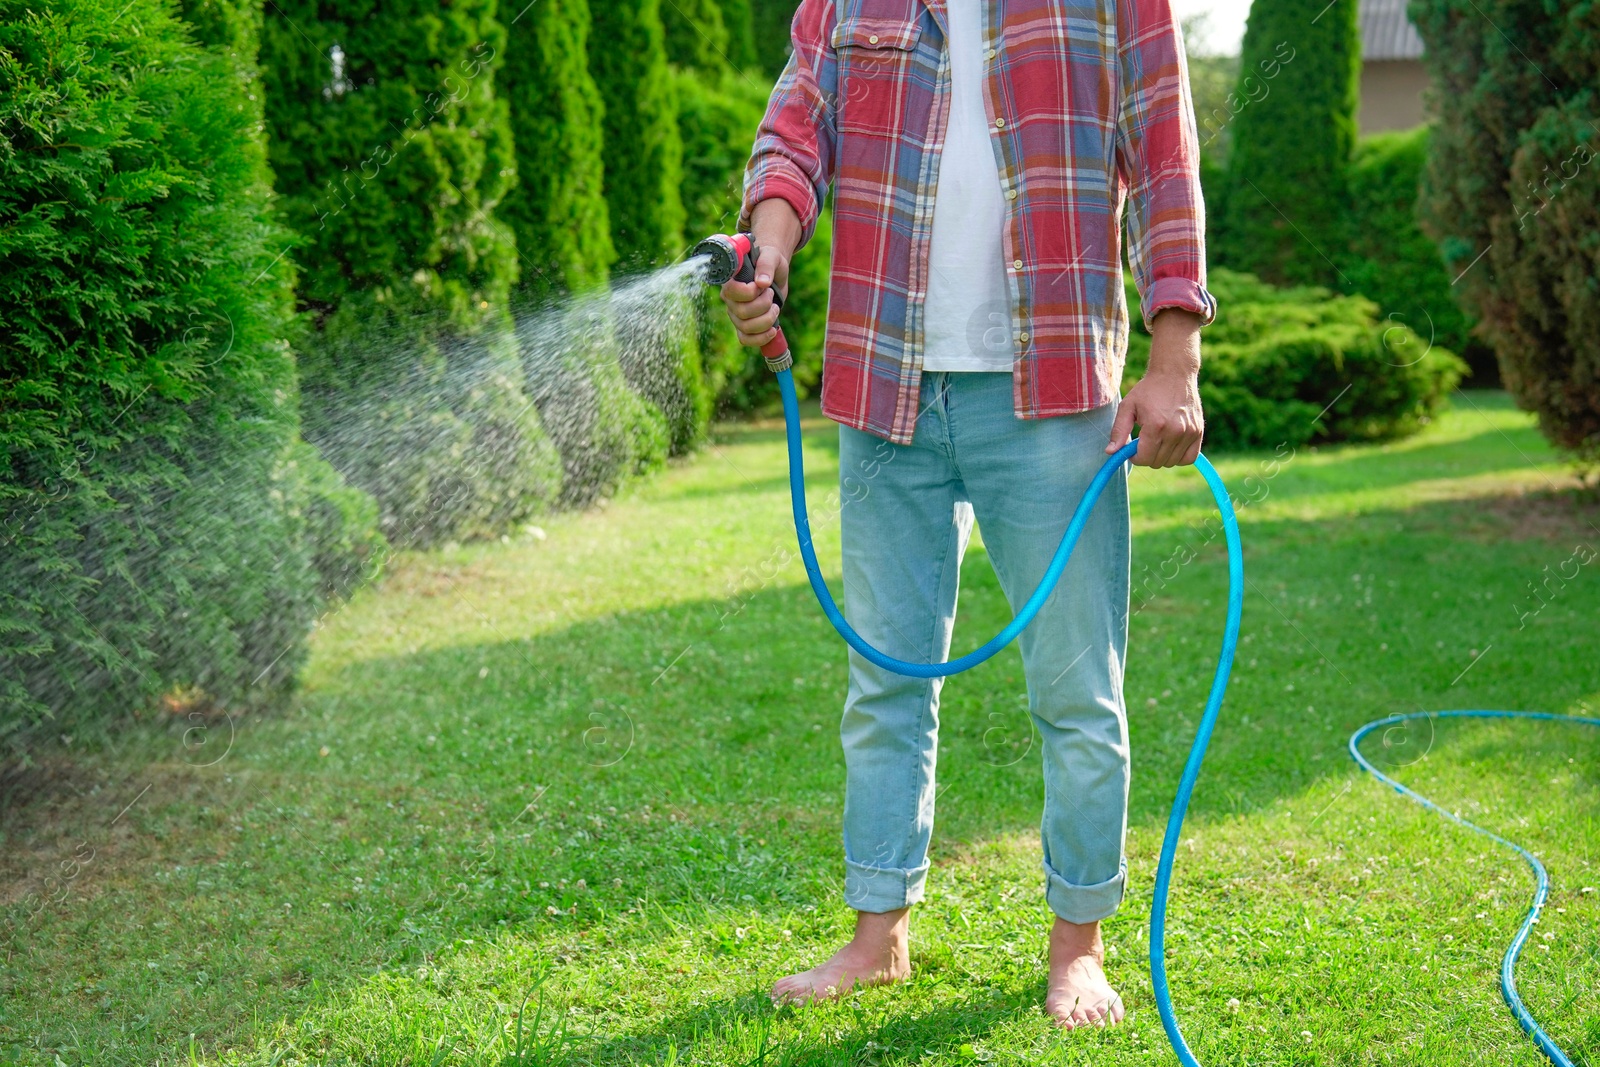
x=1508, y=963
x=1197, y=751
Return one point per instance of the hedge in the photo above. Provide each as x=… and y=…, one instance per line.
x=559, y=214
x=604, y=430
x=1293, y=128
x=739, y=17
x=643, y=153
x=392, y=152
x=164, y=530
x=1512, y=193
x=771, y=20
x=695, y=35
x=1289, y=366
x=1390, y=259
x=557, y=209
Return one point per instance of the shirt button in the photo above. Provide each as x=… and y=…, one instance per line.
x=998, y=123
x=1023, y=336
x=1011, y=194
x=988, y=53
x=1016, y=264
x=873, y=39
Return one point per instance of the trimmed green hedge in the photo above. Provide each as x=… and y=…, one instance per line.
x=1288, y=366
x=1294, y=125
x=695, y=35
x=771, y=19
x=739, y=17
x=602, y=431
x=643, y=153
x=392, y=152
x=557, y=209
x=162, y=528
x=1391, y=260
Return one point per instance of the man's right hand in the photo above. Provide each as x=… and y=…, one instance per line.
x=776, y=230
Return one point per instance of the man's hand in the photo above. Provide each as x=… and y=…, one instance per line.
x=1165, y=403
x=776, y=229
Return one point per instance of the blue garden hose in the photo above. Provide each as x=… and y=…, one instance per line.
x=1219, y=688
x=1508, y=964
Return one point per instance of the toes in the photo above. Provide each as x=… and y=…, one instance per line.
x=1070, y=1016
x=787, y=991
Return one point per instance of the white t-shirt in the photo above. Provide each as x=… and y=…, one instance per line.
x=967, y=318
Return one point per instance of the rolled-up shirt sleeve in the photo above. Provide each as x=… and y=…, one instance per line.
x=1158, y=163
x=793, y=157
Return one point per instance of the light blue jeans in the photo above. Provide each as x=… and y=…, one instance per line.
x=907, y=516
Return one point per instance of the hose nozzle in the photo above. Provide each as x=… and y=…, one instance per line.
x=732, y=258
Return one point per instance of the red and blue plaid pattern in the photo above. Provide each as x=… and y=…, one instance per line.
x=1089, y=106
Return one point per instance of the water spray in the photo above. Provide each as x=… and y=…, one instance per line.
x=733, y=258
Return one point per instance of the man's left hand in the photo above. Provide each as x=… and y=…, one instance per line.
x=1165, y=403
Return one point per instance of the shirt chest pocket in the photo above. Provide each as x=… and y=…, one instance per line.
x=881, y=69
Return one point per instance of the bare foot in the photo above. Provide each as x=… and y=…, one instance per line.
x=1079, y=994
x=878, y=954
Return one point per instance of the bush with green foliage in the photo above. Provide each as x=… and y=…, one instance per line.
x=392, y=152
x=643, y=152
x=739, y=18
x=162, y=528
x=1512, y=194
x=1390, y=260
x=695, y=35
x=771, y=20
x=644, y=174
x=1305, y=364
x=558, y=212
x=557, y=209
x=1293, y=128
x=718, y=117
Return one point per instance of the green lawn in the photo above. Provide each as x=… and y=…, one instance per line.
x=594, y=778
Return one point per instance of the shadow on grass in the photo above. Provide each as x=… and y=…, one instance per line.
x=739, y=1018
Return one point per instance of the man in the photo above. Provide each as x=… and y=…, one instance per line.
x=980, y=154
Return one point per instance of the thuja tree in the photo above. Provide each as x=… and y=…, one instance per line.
x=643, y=151
x=710, y=35
x=1512, y=193
x=163, y=532
x=603, y=430
x=392, y=152
x=1293, y=126
x=739, y=17
x=695, y=34
x=771, y=20
x=644, y=190
x=558, y=207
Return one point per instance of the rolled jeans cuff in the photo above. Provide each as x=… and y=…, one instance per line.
x=1085, y=903
x=880, y=889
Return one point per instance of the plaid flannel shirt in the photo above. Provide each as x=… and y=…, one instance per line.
x=1088, y=103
